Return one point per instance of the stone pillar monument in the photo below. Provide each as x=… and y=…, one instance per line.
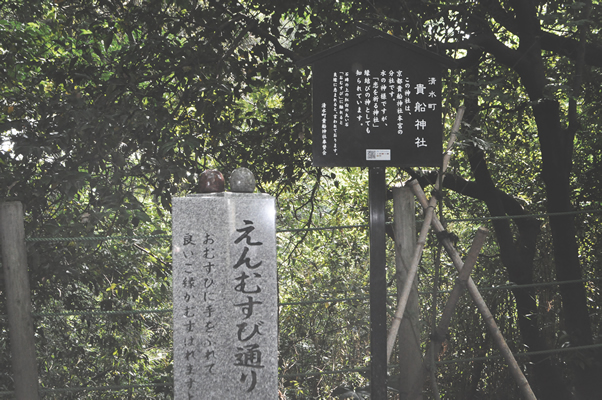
x=225, y=294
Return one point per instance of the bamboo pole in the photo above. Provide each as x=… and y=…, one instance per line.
x=18, y=301
x=459, y=287
x=498, y=338
x=429, y=210
x=441, y=329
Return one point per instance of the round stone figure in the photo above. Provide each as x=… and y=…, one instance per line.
x=211, y=181
x=242, y=180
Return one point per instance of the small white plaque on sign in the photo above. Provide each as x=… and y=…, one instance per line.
x=378, y=155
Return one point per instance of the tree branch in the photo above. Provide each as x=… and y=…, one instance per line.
x=568, y=47
x=471, y=189
x=561, y=45
x=280, y=49
x=484, y=39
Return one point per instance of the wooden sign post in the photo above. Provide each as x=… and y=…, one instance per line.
x=377, y=104
x=18, y=301
x=377, y=196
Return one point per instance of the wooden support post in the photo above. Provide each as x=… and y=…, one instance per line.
x=402, y=300
x=18, y=301
x=410, y=355
x=498, y=338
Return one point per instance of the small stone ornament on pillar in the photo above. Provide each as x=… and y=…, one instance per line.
x=211, y=181
x=242, y=180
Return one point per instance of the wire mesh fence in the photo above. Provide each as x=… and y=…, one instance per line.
x=323, y=324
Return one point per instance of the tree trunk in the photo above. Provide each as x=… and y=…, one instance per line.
x=548, y=382
x=556, y=168
x=556, y=152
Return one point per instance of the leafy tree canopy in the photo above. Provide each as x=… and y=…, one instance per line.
x=111, y=107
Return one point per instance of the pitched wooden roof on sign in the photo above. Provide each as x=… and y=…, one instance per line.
x=372, y=33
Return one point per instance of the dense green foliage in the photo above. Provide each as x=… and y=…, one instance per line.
x=108, y=108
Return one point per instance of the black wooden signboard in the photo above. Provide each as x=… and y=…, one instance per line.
x=376, y=103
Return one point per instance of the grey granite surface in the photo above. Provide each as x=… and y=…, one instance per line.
x=225, y=296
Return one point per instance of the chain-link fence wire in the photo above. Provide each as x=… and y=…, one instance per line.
x=324, y=323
